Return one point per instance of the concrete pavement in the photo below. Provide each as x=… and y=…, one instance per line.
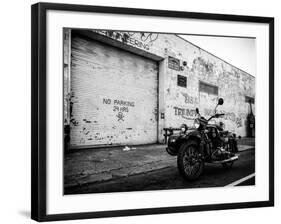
x=104, y=164
x=96, y=165
x=169, y=178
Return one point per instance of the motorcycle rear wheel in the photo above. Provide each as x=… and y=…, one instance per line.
x=190, y=164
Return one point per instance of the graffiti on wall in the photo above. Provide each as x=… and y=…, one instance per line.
x=230, y=116
x=121, y=107
x=203, y=65
x=146, y=37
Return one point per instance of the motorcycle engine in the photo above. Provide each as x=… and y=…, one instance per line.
x=213, y=134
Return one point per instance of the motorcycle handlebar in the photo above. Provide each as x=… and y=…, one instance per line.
x=220, y=115
x=216, y=116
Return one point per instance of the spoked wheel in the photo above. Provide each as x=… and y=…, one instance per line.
x=190, y=164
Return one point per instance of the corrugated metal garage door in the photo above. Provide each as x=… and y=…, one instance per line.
x=113, y=95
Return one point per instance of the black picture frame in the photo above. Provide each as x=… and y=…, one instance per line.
x=39, y=108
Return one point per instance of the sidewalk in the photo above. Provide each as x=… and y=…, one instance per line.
x=246, y=141
x=102, y=164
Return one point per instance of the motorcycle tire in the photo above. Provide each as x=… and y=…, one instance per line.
x=190, y=164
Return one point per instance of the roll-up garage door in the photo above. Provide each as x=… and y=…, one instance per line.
x=113, y=95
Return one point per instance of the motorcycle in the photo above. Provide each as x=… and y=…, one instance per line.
x=203, y=143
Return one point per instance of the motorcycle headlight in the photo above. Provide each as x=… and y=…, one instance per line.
x=196, y=123
x=183, y=128
x=172, y=140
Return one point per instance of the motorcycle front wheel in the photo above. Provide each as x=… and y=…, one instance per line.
x=189, y=161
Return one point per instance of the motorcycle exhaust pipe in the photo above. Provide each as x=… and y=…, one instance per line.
x=234, y=158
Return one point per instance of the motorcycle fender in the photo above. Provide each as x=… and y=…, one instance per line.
x=196, y=135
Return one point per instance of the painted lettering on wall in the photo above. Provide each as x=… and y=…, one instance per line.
x=130, y=38
x=121, y=107
x=185, y=113
x=190, y=99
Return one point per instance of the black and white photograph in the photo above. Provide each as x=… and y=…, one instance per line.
x=139, y=111
x=157, y=111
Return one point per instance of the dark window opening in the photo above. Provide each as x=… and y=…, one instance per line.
x=208, y=88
